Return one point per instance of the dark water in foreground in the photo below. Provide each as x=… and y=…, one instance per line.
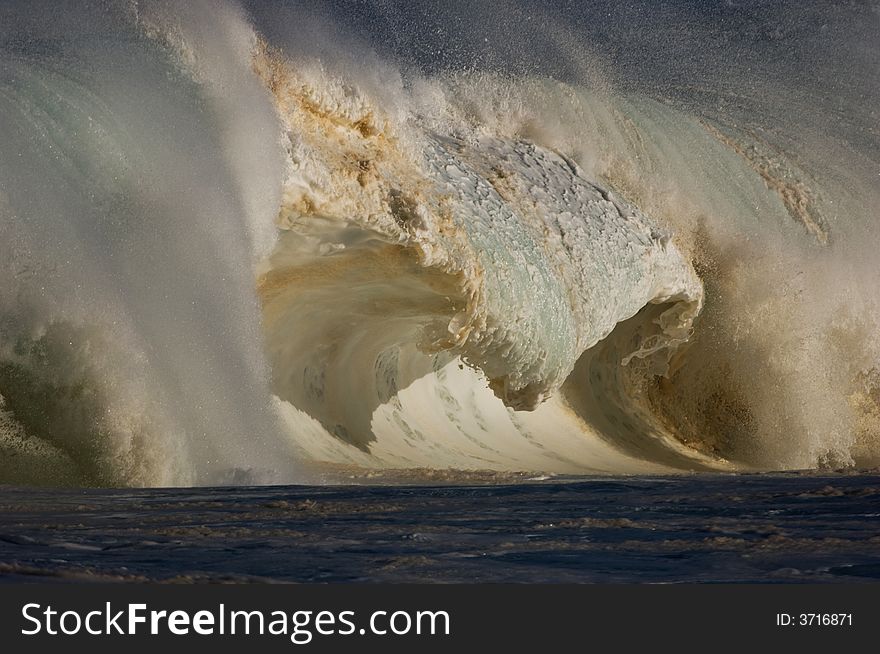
x=762, y=528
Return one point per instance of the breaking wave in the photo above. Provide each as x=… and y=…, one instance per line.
x=260, y=244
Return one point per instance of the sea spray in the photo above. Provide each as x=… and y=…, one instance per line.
x=242, y=242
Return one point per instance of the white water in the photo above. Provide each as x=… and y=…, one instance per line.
x=247, y=245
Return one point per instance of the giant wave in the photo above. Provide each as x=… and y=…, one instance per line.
x=234, y=253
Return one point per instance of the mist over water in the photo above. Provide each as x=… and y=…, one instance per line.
x=251, y=243
x=131, y=348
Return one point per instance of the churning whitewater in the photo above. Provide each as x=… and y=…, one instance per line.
x=259, y=243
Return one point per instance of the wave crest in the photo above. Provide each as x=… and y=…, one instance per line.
x=406, y=249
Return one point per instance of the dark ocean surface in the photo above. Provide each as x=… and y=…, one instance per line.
x=696, y=528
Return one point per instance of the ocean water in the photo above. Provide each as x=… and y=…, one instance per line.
x=270, y=243
x=682, y=529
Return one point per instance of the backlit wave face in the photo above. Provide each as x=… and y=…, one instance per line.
x=429, y=292
x=255, y=244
